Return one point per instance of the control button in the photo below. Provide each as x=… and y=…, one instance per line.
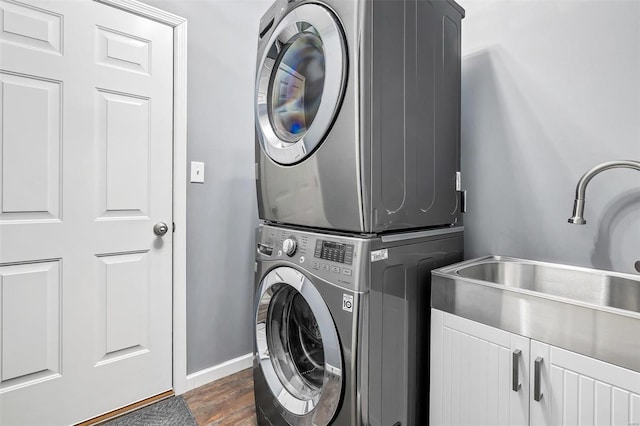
x=279, y=252
x=289, y=246
x=335, y=269
x=316, y=265
x=346, y=271
x=301, y=259
x=325, y=266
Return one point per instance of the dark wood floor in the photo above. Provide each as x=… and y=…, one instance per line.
x=228, y=401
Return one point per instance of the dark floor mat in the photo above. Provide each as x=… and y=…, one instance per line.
x=169, y=412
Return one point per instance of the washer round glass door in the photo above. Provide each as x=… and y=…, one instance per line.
x=300, y=82
x=297, y=345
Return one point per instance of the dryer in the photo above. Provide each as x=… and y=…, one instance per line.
x=342, y=325
x=357, y=110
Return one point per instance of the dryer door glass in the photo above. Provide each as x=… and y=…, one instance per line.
x=300, y=82
x=298, y=346
x=296, y=87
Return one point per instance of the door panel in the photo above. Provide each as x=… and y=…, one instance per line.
x=122, y=313
x=578, y=390
x=123, y=124
x=123, y=51
x=32, y=28
x=86, y=163
x=30, y=296
x=471, y=370
x=30, y=121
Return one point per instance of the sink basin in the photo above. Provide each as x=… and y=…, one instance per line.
x=588, y=311
x=590, y=286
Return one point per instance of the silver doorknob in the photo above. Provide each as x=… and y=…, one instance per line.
x=160, y=228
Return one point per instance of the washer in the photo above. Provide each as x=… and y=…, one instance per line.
x=342, y=325
x=357, y=111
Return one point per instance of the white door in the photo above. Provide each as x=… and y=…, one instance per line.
x=479, y=374
x=85, y=174
x=578, y=390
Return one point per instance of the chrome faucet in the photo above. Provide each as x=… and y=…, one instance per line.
x=581, y=188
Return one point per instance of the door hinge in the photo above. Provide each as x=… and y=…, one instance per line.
x=173, y=227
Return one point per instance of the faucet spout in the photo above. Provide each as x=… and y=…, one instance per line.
x=578, y=205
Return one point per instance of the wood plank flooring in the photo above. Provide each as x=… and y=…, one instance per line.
x=228, y=401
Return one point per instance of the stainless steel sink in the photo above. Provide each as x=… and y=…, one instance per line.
x=593, y=312
x=589, y=286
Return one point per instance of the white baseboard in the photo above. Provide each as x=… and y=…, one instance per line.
x=227, y=368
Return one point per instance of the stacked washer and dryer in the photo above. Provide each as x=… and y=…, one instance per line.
x=357, y=111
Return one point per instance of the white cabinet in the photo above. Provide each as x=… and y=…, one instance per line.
x=578, y=390
x=472, y=374
x=472, y=381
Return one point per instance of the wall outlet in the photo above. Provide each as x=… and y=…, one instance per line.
x=197, y=172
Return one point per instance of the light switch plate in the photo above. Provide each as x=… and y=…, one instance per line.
x=197, y=172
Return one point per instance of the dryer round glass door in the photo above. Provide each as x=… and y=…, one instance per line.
x=300, y=83
x=298, y=346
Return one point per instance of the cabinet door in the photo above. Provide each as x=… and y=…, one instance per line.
x=578, y=390
x=472, y=369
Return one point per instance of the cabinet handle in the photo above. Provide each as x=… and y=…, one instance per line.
x=515, y=382
x=537, y=394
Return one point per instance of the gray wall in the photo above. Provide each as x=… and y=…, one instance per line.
x=550, y=89
x=221, y=213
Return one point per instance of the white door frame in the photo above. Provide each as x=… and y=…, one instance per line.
x=179, y=26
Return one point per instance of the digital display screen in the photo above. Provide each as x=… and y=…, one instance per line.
x=329, y=245
x=334, y=252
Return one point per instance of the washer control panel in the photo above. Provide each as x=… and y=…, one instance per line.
x=334, y=251
x=333, y=258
